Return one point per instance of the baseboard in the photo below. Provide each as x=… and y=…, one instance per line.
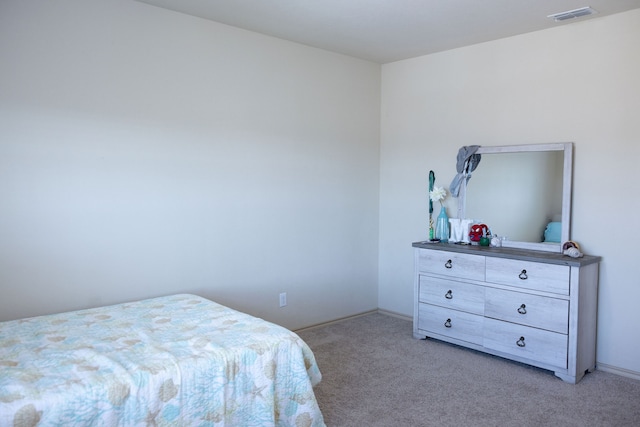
x=366, y=313
x=618, y=371
x=330, y=322
x=394, y=314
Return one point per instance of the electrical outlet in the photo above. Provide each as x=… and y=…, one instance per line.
x=283, y=299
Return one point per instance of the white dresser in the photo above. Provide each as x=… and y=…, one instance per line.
x=534, y=307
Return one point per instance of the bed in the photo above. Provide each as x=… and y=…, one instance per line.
x=179, y=360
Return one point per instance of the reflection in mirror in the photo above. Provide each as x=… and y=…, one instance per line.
x=523, y=193
x=528, y=197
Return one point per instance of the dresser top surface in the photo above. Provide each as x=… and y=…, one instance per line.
x=512, y=253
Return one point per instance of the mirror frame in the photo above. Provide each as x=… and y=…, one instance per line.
x=567, y=180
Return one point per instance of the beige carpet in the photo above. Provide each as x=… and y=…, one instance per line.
x=376, y=374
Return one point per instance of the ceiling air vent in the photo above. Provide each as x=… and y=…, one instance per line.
x=570, y=14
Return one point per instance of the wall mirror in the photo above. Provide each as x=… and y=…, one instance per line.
x=523, y=193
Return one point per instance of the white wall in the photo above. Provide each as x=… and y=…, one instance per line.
x=145, y=152
x=577, y=82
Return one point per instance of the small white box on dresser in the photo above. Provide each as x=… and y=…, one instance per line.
x=533, y=307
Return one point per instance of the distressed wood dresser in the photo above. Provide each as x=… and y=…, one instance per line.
x=533, y=307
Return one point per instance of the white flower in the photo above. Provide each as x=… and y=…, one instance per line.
x=438, y=194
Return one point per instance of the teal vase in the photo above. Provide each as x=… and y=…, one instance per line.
x=442, y=226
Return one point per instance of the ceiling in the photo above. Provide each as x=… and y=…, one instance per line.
x=390, y=30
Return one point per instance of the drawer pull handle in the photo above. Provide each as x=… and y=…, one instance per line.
x=520, y=342
x=448, y=295
x=522, y=309
x=447, y=264
x=447, y=324
x=523, y=275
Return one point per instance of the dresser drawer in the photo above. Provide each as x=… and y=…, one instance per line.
x=523, y=341
x=451, y=323
x=452, y=294
x=529, y=275
x=452, y=264
x=547, y=313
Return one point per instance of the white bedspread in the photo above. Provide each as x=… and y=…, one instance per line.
x=171, y=361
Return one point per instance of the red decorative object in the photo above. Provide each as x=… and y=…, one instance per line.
x=477, y=231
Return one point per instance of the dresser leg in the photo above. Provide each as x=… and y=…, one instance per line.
x=567, y=378
x=570, y=378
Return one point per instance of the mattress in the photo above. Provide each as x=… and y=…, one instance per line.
x=179, y=360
